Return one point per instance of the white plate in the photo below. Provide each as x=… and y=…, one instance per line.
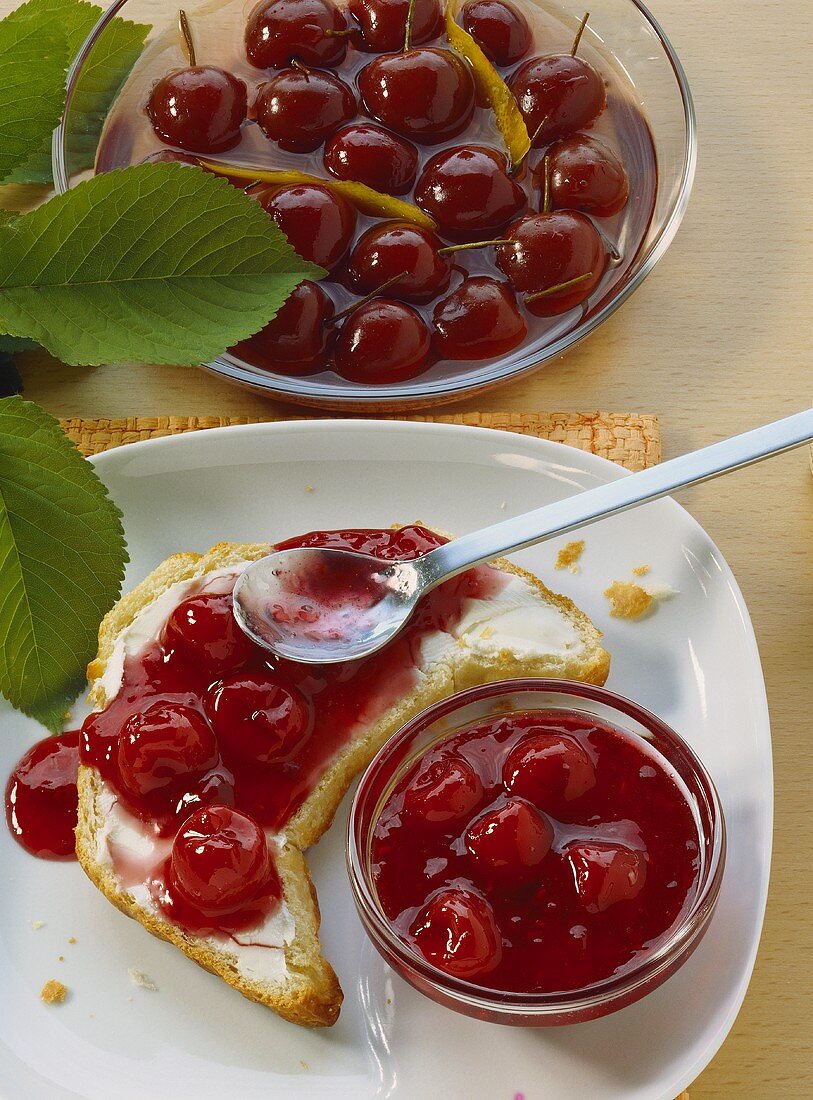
x=694, y=662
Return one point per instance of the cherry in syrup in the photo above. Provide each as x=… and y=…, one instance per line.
x=507, y=843
x=557, y=94
x=382, y=341
x=549, y=768
x=478, y=320
x=585, y=174
x=298, y=340
x=456, y=931
x=382, y=23
x=500, y=29
x=257, y=717
x=318, y=223
x=606, y=873
x=468, y=191
x=424, y=94
x=298, y=108
x=372, y=155
x=446, y=792
x=281, y=31
x=561, y=249
x=163, y=746
x=393, y=249
x=41, y=797
x=203, y=630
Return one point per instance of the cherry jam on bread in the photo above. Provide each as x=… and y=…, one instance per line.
x=337, y=92
x=536, y=852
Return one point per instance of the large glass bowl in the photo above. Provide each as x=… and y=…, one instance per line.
x=467, y=708
x=654, y=79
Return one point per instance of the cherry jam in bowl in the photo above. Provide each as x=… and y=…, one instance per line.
x=474, y=265
x=536, y=852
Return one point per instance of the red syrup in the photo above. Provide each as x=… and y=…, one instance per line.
x=538, y=852
x=206, y=723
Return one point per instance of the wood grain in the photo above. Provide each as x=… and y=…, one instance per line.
x=717, y=340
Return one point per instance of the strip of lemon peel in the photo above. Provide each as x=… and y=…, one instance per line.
x=492, y=87
x=364, y=198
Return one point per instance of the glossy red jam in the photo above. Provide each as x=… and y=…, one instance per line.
x=537, y=852
x=41, y=797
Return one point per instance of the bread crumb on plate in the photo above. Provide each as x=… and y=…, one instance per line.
x=630, y=601
x=72, y=939
x=53, y=992
x=641, y=570
x=142, y=980
x=37, y=924
x=569, y=555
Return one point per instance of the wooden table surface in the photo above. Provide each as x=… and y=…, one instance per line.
x=717, y=340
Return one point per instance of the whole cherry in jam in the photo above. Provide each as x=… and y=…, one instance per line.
x=424, y=94
x=468, y=191
x=500, y=29
x=585, y=174
x=201, y=109
x=298, y=340
x=556, y=260
x=508, y=842
x=445, y=792
x=279, y=32
x=318, y=223
x=220, y=859
x=478, y=320
x=372, y=155
x=203, y=629
x=163, y=745
x=606, y=873
x=258, y=717
x=390, y=249
x=456, y=931
x=382, y=341
x=299, y=108
x=382, y=23
x=41, y=797
x=549, y=768
x=557, y=95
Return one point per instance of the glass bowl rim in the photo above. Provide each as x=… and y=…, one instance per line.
x=337, y=395
x=481, y=998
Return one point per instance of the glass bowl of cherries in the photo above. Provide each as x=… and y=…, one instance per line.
x=483, y=181
x=536, y=852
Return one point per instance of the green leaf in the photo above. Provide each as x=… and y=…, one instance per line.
x=33, y=59
x=159, y=264
x=62, y=556
x=103, y=73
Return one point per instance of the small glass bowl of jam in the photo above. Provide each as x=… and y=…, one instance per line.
x=536, y=852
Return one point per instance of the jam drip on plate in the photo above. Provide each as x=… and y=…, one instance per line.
x=41, y=797
x=539, y=852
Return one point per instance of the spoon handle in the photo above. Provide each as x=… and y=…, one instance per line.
x=617, y=496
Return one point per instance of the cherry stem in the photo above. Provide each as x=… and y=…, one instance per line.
x=546, y=195
x=515, y=167
x=250, y=186
x=186, y=33
x=559, y=286
x=579, y=34
x=367, y=298
x=410, y=17
x=612, y=248
x=449, y=248
x=297, y=64
x=339, y=34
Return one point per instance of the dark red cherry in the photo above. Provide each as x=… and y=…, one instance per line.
x=507, y=843
x=456, y=931
x=298, y=110
x=162, y=744
x=257, y=717
x=318, y=223
x=444, y=793
x=41, y=797
x=382, y=341
x=281, y=31
x=478, y=321
x=605, y=873
x=382, y=23
x=204, y=631
x=372, y=155
x=501, y=31
x=220, y=859
x=391, y=248
x=585, y=174
x=549, y=769
x=547, y=250
x=424, y=94
x=298, y=340
x=468, y=191
x=564, y=92
x=201, y=109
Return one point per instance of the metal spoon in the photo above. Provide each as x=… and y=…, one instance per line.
x=320, y=606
